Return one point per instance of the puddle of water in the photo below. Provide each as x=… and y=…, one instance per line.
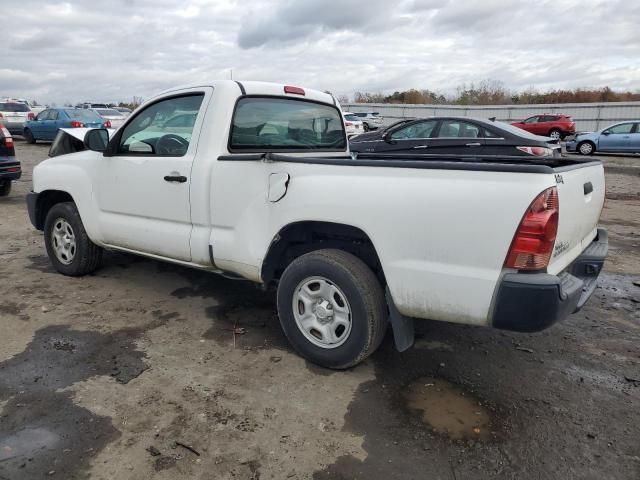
x=26, y=442
x=448, y=410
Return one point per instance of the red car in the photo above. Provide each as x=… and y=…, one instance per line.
x=552, y=125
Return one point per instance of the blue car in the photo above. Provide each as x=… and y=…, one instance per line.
x=46, y=124
x=622, y=137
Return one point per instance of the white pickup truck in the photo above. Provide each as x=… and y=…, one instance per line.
x=255, y=179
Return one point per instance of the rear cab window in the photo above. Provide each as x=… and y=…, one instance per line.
x=263, y=124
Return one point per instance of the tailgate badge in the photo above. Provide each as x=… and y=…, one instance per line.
x=559, y=178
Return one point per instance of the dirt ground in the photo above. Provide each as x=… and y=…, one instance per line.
x=135, y=372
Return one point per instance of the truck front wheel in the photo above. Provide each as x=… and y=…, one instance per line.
x=332, y=308
x=69, y=248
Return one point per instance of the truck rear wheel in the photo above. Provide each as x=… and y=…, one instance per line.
x=69, y=248
x=5, y=188
x=332, y=308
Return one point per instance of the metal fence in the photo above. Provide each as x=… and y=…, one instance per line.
x=588, y=116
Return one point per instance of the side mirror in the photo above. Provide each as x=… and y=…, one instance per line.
x=387, y=137
x=606, y=132
x=96, y=139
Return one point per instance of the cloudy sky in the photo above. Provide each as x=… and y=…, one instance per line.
x=85, y=50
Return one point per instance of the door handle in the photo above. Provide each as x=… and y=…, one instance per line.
x=421, y=146
x=175, y=178
x=475, y=144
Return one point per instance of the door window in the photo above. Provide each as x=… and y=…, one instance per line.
x=415, y=131
x=623, y=128
x=53, y=115
x=44, y=115
x=531, y=120
x=163, y=128
x=458, y=129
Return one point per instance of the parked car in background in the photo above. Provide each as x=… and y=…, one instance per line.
x=9, y=165
x=454, y=136
x=548, y=125
x=14, y=114
x=92, y=105
x=46, y=124
x=110, y=114
x=621, y=137
x=352, y=124
x=370, y=120
x=123, y=110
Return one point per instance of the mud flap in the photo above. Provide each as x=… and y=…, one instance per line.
x=403, y=331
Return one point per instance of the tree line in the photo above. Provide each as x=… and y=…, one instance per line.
x=493, y=92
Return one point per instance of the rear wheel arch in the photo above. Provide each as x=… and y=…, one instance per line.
x=299, y=238
x=46, y=200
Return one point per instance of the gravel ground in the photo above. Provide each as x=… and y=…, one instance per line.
x=136, y=372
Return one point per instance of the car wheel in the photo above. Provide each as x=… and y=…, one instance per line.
x=365, y=126
x=586, y=148
x=332, y=308
x=28, y=136
x=69, y=248
x=5, y=188
x=555, y=134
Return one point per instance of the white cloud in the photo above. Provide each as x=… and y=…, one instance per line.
x=107, y=51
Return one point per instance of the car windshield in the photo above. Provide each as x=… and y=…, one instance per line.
x=14, y=107
x=83, y=115
x=352, y=117
x=108, y=112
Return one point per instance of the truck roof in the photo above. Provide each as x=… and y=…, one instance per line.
x=264, y=88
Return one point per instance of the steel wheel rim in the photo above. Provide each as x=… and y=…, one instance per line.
x=555, y=135
x=322, y=312
x=585, y=148
x=63, y=241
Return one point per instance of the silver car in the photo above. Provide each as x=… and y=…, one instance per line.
x=14, y=114
x=370, y=120
x=112, y=115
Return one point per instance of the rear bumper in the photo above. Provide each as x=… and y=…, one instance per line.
x=10, y=169
x=533, y=302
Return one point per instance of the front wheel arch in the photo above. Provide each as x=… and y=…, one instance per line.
x=46, y=200
x=589, y=142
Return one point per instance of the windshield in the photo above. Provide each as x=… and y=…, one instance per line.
x=83, y=115
x=265, y=124
x=14, y=107
x=108, y=112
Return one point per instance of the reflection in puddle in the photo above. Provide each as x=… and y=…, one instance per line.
x=26, y=442
x=448, y=410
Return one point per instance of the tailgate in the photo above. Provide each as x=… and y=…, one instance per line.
x=581, y=198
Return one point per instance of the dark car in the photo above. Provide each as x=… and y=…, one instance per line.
x=9, y=164
x=554, y=125
x=454, y=136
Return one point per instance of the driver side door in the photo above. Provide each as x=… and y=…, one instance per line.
x=143, y=182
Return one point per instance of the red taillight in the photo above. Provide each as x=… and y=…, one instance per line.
x=537, y=151
x=1, y=116
x=31, y=116
x=76, y=124
x=532, y=245
x=107, y=124
x=8, y=139
x=294, y=90
x=348, y=124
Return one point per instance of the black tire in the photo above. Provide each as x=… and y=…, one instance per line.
x=87, y=257
x=583, y=146
x=365, y=126
x=363, y=293
x=5, y=188
x=557, y=132
x=28, y=136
